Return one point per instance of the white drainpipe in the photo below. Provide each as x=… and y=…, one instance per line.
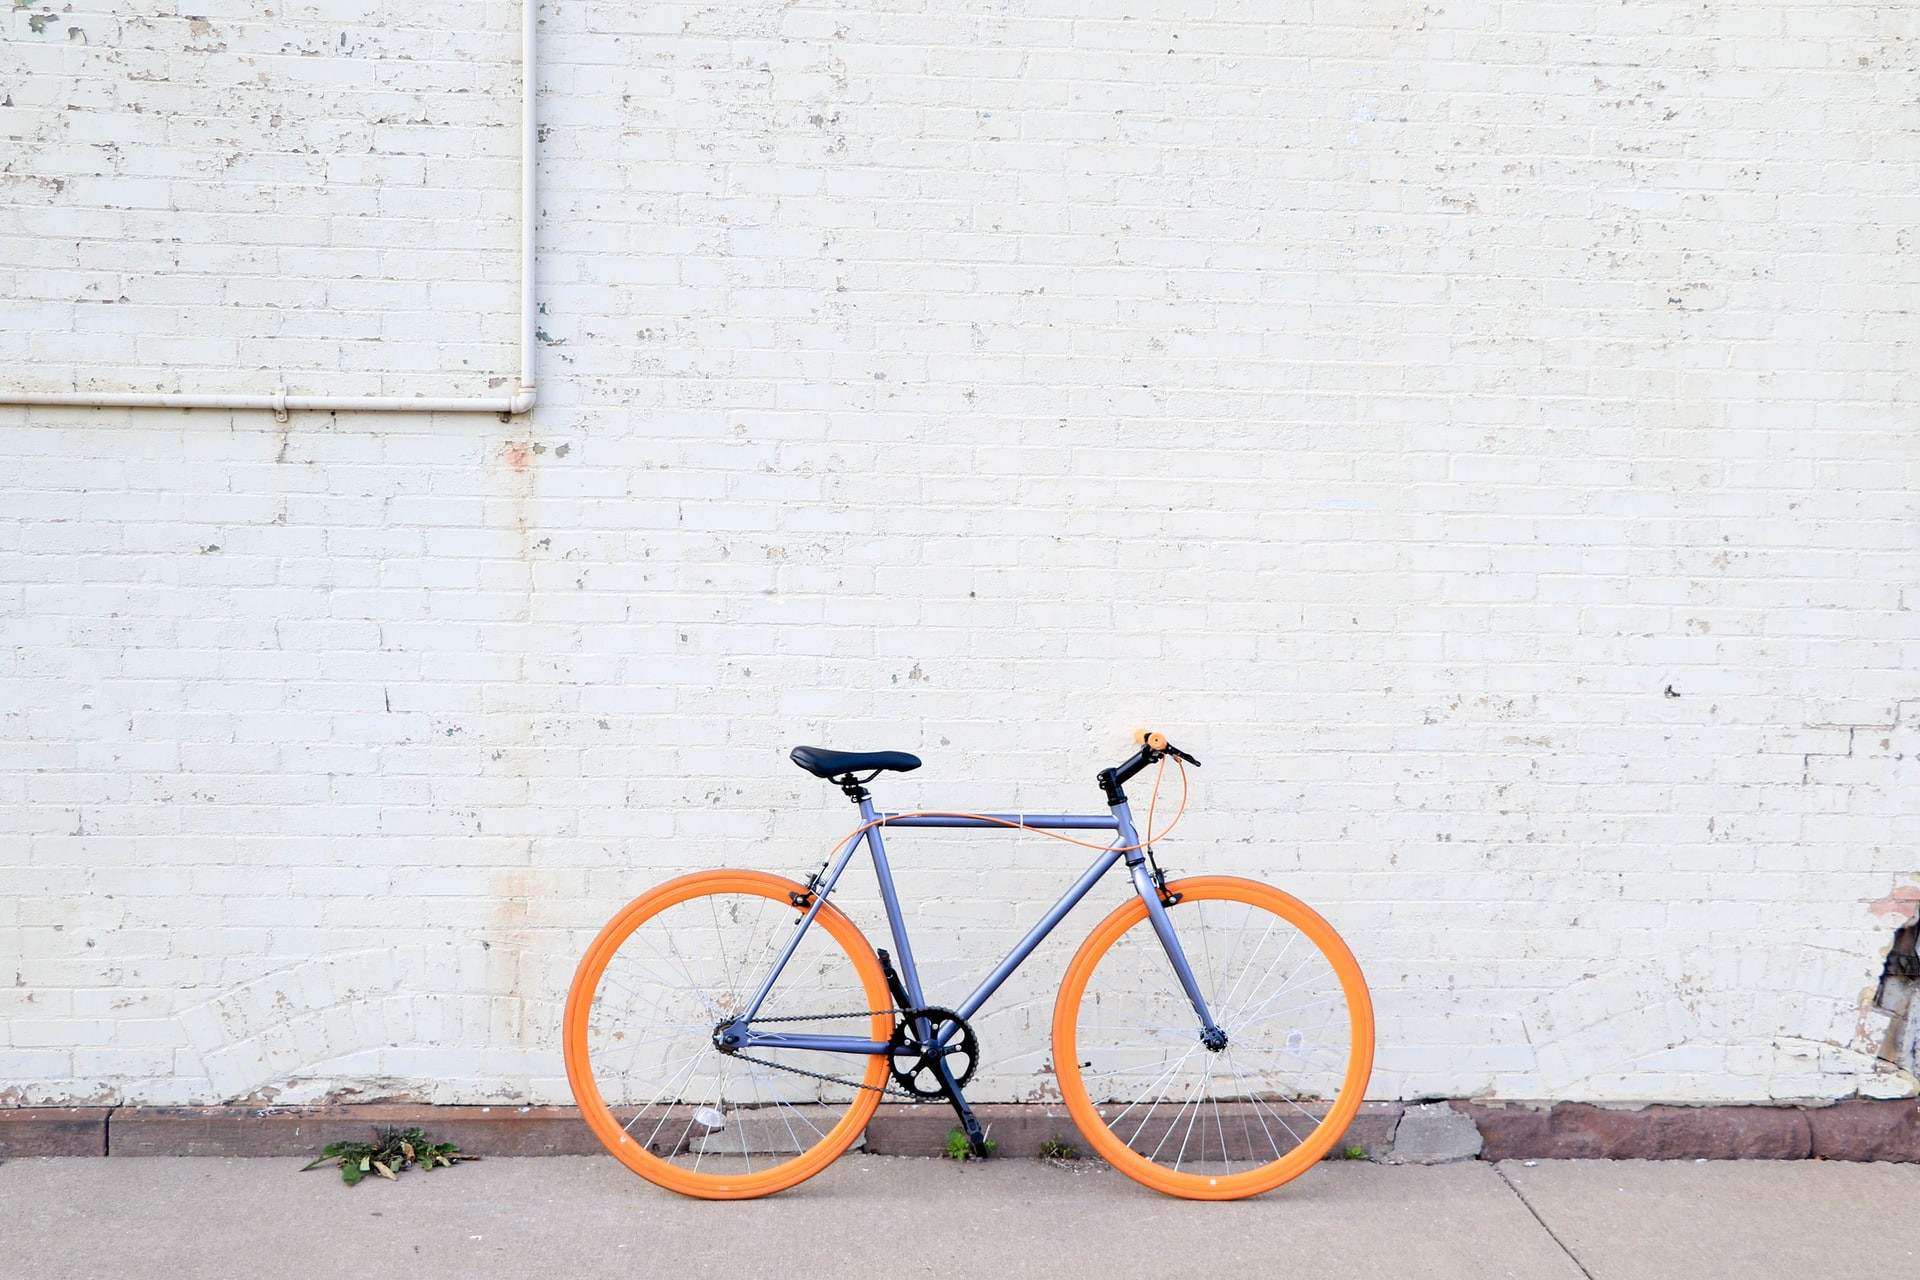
x=280, y=402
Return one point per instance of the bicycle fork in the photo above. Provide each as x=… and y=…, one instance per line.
x=1152, y=889
x=1151, y=884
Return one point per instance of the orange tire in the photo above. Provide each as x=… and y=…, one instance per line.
x=672, y=966
x=1153, y=1101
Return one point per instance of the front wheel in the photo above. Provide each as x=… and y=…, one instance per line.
x=1158, y=1104
x=642, y=1019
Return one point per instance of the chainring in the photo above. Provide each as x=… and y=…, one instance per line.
x=912, y=1062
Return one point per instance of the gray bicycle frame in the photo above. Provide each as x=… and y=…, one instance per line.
x=1125, y=845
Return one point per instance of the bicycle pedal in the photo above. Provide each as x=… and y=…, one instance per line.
x=976, y=1136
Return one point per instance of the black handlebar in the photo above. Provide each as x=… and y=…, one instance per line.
x=1112, y=781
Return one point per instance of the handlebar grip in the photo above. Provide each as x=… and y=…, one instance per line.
x=1158, y=744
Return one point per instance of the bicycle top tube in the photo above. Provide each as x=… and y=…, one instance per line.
x=1006, y=821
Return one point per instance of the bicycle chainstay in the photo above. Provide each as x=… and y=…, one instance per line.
x=881, y=1089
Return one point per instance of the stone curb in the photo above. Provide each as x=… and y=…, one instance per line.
x=1855, y=1129
x=53, y=1131
x=1018, y=1129
x=302, y=1131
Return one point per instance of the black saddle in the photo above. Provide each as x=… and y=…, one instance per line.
x=822, y=763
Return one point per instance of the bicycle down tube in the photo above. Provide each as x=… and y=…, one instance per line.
x=1127, y=844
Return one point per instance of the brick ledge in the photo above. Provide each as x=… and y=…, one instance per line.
x=1853, y=1129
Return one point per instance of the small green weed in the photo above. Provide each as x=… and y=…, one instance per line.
x=1355, y=1153
x=958, y=1148
x=1058, y=1148
x=391, y=1152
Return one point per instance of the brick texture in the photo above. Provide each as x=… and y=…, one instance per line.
x=1483, y=434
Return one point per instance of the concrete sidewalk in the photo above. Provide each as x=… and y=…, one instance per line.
x=895, y=1216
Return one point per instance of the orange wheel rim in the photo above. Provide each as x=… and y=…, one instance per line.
x=1261, y=1178
x=599, y=1117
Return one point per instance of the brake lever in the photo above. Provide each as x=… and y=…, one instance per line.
x=1153, y=746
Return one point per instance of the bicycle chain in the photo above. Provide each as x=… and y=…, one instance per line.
x=885, y=1091
x=882, y=1090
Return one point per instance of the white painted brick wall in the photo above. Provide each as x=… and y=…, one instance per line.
x=1392, y=402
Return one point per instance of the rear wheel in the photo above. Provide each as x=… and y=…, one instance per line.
x=672, y=967
x=1161, y=1107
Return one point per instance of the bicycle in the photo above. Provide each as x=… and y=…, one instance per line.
x=1212, y=1037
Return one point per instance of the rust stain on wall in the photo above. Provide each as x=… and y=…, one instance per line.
x=1903, y=903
